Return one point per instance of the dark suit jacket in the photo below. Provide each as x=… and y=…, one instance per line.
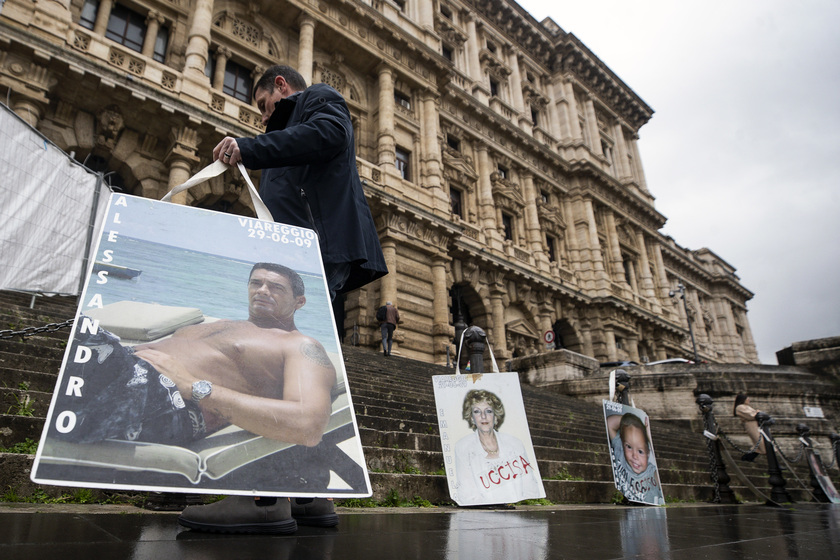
x=310, y=179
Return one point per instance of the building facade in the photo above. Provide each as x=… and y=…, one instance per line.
x=499, y=156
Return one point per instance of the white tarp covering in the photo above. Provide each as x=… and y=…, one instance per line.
x=45, y=211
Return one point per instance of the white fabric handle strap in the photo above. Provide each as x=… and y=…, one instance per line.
x=217, y=168
x=458, y=359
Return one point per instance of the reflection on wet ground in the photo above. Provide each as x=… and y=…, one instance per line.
x=809, y=531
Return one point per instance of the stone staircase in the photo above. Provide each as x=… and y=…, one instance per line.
x=395, y=410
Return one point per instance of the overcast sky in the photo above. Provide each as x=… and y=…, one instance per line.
x=743, y=151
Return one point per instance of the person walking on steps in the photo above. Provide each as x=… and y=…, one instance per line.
x=388, y=317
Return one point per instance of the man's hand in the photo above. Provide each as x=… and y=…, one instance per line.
x=228, y=151
x=171, y=368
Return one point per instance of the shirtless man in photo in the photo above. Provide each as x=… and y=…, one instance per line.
x=266, y=376
x=261, y=374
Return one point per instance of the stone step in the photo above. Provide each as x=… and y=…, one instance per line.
x=16, y=429
x=29, y=363
x=31, y=380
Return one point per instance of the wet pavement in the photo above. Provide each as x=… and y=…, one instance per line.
x=744, y=532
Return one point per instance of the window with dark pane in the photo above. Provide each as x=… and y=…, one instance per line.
x=126, y=27
x=238, y=81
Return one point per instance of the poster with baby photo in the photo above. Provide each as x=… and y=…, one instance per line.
x=204, y=358
x=631, y=454
x=487, y=449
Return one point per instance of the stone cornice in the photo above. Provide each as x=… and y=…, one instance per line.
x=573, y=57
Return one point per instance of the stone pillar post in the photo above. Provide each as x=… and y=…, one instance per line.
x=306, y=47
x=386, y=147
x=103, y=14
x=532, y=220
x=486, y=210
x=573, y=120
x=153, y=22
x=198, y=38
x=592, y=126
x=222, y=55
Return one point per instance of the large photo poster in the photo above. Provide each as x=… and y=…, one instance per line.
x=487, y=449
x=631, y=454
x=204, y=358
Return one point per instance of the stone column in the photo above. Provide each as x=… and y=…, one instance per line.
x=440, y=309
x=306, y=47
x=553, y=117
x=515, y=81
x=386, y=147
x=28, y=109
x=609, y=340
x=633, y=348
x=571, y=233
x=486, y=208
x=181, y=159
x=664, y=289
x=573, y=119
x=592, y=126
x=103, y=14
x=153, y=22
x=473, y=60
x=648, y=290
x=638, y=172
x=388, y=286
x=497, y=310
x=631, y=272
x=426, y=14
x=615, y=249
x=222, y=55
x=622, y=168
x=532, y=219
x=198, y=38
x=429, y=131
x=595, y=245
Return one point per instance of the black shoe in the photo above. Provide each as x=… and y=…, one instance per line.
x=315, y=512
x=240, y=514
x=749, y=457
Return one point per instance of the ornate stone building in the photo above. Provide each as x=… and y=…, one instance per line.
x=499, y=156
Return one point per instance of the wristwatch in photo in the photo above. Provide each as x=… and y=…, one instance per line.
x=201, y=389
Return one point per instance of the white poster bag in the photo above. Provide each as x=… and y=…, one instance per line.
x=633, y=461
x=171, y=382
x=487, y=449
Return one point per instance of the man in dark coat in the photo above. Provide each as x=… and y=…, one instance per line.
x=309, y=179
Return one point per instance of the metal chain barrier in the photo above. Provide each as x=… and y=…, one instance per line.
x=735, y=445
x=798, y=455
x=31, y=331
